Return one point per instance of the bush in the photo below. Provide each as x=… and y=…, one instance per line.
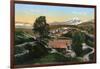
x=52, y=57
x=35, y=52
x=21, y=38
x=57, y=58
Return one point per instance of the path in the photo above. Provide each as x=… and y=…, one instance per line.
x=86, y=56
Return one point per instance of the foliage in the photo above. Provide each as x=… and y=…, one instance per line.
x=56, y=57
x=87, y=26
x=92, y=57
x=89, y=41
x=52, y=57
x=21, y=38
x=36, y=51
x=77, y=39
x=86, y=51
x=41, y=28
x=18, y=50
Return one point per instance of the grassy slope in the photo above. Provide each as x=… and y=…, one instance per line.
x=87, y=26
x=28, y=31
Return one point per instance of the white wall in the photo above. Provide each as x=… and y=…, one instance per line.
x=5, y=34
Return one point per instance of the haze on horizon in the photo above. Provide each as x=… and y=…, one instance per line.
x=27, y=13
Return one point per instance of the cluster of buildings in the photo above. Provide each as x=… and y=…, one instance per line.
x=59, y=31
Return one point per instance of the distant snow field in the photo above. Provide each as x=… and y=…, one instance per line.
x=23, y=25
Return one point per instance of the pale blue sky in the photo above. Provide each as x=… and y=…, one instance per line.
x=53, y=11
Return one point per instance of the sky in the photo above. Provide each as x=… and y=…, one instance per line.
x=27, y=13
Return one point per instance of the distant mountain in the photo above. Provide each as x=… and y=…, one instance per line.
x=87, y=23
x=88, y=26
x=23, y=25
x=58, y=23
x=73, y=21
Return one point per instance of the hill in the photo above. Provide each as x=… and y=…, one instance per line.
x=87, y=26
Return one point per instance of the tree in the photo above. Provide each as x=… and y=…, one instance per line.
x=78, y=38
x=41, y=31
x=41, y=28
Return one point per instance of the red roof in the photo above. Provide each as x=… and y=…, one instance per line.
x=60, y=43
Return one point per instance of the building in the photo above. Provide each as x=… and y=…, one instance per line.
x=60, y=43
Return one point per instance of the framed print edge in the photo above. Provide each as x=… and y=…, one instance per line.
x=12, y=32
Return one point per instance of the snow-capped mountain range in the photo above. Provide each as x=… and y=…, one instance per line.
x=74, y=21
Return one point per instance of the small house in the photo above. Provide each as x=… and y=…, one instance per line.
x=60, y=44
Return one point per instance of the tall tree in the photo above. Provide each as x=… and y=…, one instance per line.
x=41, y=28
x=78, y=38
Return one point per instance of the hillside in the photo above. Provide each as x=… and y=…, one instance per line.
x=87, y=26
x=25, y=30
